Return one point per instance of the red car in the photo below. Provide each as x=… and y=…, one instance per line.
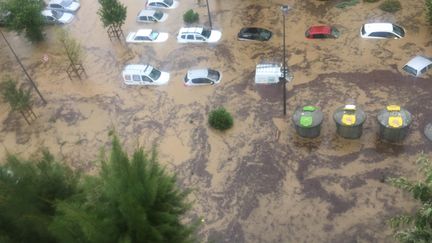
x=322, y=32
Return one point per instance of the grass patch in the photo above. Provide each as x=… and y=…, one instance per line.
x=390, y=6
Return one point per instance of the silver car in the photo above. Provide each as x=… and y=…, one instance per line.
x=204, y=76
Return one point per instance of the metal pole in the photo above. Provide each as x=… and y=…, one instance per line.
x=23, y=68
x=284, y=9
x=208, y=11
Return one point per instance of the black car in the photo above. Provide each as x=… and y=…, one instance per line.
x=258, y=34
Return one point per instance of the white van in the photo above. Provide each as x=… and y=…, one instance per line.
x=137, y=74
x=270, y=73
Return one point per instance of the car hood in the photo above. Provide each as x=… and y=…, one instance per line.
x=215, y=36
x=163, y=79
x=74, y=6
x=161, y=37
x=66, y=18
x=164, y=17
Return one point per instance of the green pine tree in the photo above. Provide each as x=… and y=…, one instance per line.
x=416, y=228
x=132, y=200
x=28, y=193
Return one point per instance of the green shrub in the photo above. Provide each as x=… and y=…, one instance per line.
x=390, y=6
x=220, y=119
x=190, y=16
x=370, y=1
x=346, y=3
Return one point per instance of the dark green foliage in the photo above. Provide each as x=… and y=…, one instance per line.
x=25, y=16
x=132, y=200
x=429, y=11
x=112, y=12
x=18, y=98
x=417, y=227
x=190, y=16
x=220, y=119
x=28, y=192
x=370, y=1
x=390, y=6
x=346, y=3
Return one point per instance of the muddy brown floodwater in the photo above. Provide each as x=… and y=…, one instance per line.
x=259, y=181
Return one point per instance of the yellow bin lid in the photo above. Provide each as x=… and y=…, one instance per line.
x=348, y=119
x=395, y=121
x=393, y=108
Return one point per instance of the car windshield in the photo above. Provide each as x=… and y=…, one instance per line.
x=154, y=35
x=363, y=30
x=264, y=34
x=213, y=74
x=168, y=2
x=410, y=70
x=398, y=30
x=206, y=33
x=158, y=15
x=57, y=14
x=155, y=74
x=66, y=2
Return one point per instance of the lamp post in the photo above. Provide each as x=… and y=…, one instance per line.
x=284, y=9
x=23, y=68
x=208, y=11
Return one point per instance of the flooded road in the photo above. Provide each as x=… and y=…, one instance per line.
x=259, y=181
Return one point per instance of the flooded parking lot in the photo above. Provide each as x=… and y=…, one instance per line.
x=259, y=181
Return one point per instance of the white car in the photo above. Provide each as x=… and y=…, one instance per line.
x=198, y=35
x=165, y=4
x=382, y=31
x=63, y=5
x=418, y=66
x=146, y=35
x=56, y=17
x=137, y=74
x=151, y=16
x=202, y=77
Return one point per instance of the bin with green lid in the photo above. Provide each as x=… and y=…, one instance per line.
x=349, y=121
x=394, y=122
x=307, y=121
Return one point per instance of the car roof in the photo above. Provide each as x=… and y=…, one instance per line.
x=372, y=27
x=197, y=73
x=146, y=12
x=419, y=62
x=137, y=69
x=320, y=29
x=144, y=32
x=191, y=30
x=253, y=28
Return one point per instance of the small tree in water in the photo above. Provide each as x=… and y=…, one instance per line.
x=132, y=200
x=73, y=51
x=18, y=99
x=418, y=226
x=113, y=16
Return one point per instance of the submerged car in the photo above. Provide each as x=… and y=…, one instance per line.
x=198, y=35
x=322, y=32
x=137, y=74
x=151, y=16
x=165, y=4
x=253, y=33
x=146, y=35
x=56, y=17
x=382, y=31
x=63, y=5
x=202, y=77
x=418, y=66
